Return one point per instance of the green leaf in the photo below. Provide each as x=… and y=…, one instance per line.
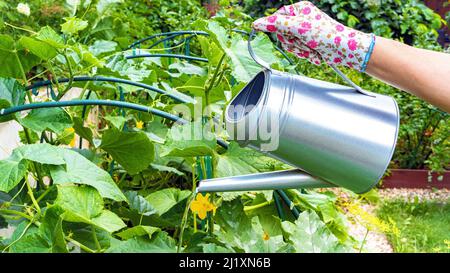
x=13, y=168
x=41, y=49
x=51, y=229
x=80, y=170
x=116, y=121
x=210, y=50
x=103, y=5
x=163, y=168
x=139, y=204
x=108, y=221
x=309, y=234
x=84, y=204
x=189, y=140
x=43, y=153
x=101, y=46
x=161, y=243
x=84, y=234
x=165, y=199
x=12, y=93
x=79, y=202
x=49, y=36
x=73, y=25
x=239, y=161
x=16, y=61
x=244, y=233
x=132, y=150
x=138, y=231
x=82, y=131
x=49, y=238
x=32, y=243
x=186, y=68
x=54, y=119
x=243, y=66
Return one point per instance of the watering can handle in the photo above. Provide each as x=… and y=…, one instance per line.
x=267, y=66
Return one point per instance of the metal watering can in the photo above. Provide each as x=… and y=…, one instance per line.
x=337, y=136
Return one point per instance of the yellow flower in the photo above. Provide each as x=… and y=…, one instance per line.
x=266, y=236
x=201, y=205
x=72, y=142
x=140, y=124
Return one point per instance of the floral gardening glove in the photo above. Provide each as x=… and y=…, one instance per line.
x=306, y=31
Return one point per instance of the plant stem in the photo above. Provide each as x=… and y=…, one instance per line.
x=80, y=245
x=30, y=193
x=249, y=208
x=36, y=169
x=186, y=210
x=70, y=83
x=94, y=235
x=15, y=212
x=43, y=194
x=363, y=241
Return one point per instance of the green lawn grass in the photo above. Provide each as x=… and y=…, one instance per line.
x=423, y=226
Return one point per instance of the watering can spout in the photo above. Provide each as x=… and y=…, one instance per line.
x=290, y=179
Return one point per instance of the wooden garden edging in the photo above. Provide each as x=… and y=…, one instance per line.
x=405, y=178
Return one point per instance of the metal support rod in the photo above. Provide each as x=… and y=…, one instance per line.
x=289, y=203
x=110, y=79
x=177, y=56
x=183, y=32
x=128, y=105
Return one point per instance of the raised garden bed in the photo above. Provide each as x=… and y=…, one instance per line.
x=405, y=178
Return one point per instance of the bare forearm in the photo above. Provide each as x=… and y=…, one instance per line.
x=420, y=72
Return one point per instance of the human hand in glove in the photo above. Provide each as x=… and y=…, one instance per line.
x=306, y=31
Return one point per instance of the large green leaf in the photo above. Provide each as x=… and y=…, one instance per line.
x=73, y=25
x=323, y=205
x=244, y=68
x=41, y=49
x=54, y=119
x=116, y=121
x=139, y=204
x=13, y=168
x=12, y=93
x=161, y=243
x=43, y=153
x=84, y=204
x=189, y=140
x=138, y=231
x=239, y=161
x=101, y=46
x=244, y=233
x=165, y=199
x=84, y=234
x=51, y=229
x=82, y=131
x=80, y=170
x=49, y=36
x=48, y=238
x=132, y=150
x=309, y=234
x=16, y=61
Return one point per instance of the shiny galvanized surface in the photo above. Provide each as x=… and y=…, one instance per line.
x=328, y=130
x=342, y=135
x=290, y=179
